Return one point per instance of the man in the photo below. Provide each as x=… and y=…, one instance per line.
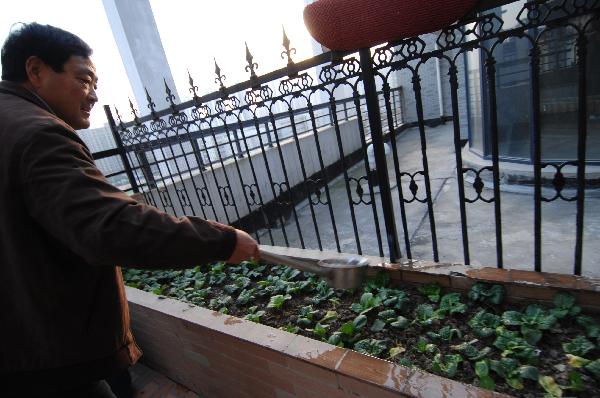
x=63, y=228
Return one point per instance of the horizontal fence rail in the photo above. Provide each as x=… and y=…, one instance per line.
x=312, y=156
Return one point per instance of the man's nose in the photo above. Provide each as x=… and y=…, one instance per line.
x=92, y=95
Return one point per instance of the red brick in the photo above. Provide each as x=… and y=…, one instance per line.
x=419, y=277
x=359, y=388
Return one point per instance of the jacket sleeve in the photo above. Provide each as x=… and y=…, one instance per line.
x=70, y=198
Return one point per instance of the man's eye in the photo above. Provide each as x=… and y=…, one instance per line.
x=85, y=81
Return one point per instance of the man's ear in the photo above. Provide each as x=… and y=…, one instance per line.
x=36, y=70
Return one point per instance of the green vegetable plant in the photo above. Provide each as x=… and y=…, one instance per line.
x=348, y=333
x=512, y=372
x=486, y=293
x=245, y=296
x=591, y=366
x=393, y=298
x=532, y=322
x=320, y=331
x=377, y=282
x=578, y=346
x=367, y=302
x=322, y=292
x=482, y=370
x=592, y=329
x=383, y=318
x=305, y=316
x=450, y=304
x=469, y=350
x=431, y=291
x=277, y=301
x=370, y=347
x=514, y=346
x=254, y=314
x=484, y=324
x=425, y=315
x=447, y=333
x=564, y=304
x=446, y=364
x=424, y=347
x=550, y=386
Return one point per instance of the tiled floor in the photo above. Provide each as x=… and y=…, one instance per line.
x=150, y=384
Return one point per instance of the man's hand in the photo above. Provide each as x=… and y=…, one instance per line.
x=245, y=248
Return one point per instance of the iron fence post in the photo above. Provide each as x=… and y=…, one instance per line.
x=372, y=102
x=121, y=148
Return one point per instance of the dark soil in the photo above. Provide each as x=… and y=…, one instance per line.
x=552, y=360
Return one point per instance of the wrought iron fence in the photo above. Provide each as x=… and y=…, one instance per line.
x=251, y=153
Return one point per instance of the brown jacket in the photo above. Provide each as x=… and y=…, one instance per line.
x=63, y=228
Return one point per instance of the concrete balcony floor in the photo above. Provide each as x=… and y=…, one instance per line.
x=558, y=217
x=148, y=383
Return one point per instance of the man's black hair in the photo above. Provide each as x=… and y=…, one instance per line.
x=52, y=45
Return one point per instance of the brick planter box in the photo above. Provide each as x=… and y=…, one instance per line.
x=220, y=355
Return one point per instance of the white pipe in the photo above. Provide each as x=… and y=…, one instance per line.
x=439, y=84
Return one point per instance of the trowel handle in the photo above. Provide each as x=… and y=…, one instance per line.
x=290, y=262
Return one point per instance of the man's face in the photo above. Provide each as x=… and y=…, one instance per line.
x=71, y=93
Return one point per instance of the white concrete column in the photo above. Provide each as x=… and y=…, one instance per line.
x=134, y=29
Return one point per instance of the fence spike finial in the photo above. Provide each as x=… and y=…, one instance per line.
x=151, y=104
x=288, y=53
x=251, y=65
x=170, y=97
x=134, y=112
x=193, y=88
x=220, y=79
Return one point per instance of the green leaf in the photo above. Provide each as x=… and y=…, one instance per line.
x=336, y=339
x=320, y=330
x=367, y=303
x=425, y=315
x=360, y=321
x=378, y=325
x=512, y=318
x=370, y=347
x=278, y=301
x=395, y=351
x=579, y=346
x=594, y=368
x=550, y=386
x=400, y=323
x=514, y=346
x=245, y=296
x=386, y=314
x=348, y=329
x=492, y=294
x=529, y=372
x=421, y=345
x=329, y=316
x=591, y=327
x=575, y=382
x=304, y=322
x=487, y=382
x=484, y=324
x=378, y=281
x=577, y=362
x=469, y=350
x=431, y=291
x=482, y=368
x=446, y=364
x=563, y=300
x=450, y=304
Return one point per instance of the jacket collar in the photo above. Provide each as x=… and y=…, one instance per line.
x=17, y=89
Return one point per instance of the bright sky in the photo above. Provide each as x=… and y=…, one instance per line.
x=192, y=32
